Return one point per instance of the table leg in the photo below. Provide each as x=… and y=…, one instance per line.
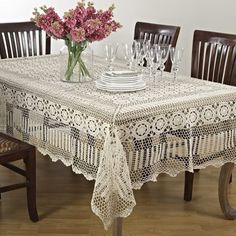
x=225, y=173
x=117, y=227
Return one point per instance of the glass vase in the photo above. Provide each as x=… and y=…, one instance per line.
x=76, y=62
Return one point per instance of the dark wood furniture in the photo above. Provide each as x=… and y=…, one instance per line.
x=12, y=150
x=225, y=175
x=22, y=39
x=213, y=59
x=158, y=34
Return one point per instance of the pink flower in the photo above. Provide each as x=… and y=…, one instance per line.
x=91, y=25
x=90, y=12
x=105, y=16
x=57, y=29
x=77, y=34
x=80, y=14
x=50, y=22
x=69, y=19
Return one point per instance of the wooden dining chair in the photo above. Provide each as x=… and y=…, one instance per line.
x=213, y=59
x=157, y=34
x=13, y=150
x=22, y=39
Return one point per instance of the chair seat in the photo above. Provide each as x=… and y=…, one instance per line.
x=7, y=145
x=12, y=150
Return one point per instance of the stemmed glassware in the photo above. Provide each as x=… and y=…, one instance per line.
x=157, y=62
x=153, y=61
x=176, y=55
x=142, y=55
x=163, y=51
x=129, y=52
x=137, y=45
x=111, y=50
x=141, y=48
x=150, y=58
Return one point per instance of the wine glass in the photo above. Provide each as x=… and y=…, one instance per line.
x=111, y=50
x=146, y=46
x=137, y=45
x=151, y=61
x=142, y=58
x=163, y=51
x=141, y=47
x=176, y=55
x=157, y=61
x=129, y=52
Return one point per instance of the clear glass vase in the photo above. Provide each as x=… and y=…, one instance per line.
x=76, y=62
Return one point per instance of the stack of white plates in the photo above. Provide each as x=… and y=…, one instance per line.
x=121, y=81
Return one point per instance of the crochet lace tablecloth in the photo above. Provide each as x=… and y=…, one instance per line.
x=121, y=140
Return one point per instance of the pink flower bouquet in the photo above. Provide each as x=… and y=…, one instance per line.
x=77, y=27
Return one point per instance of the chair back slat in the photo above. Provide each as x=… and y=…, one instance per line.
x=8, y=46
x=13, y=45
x=22, y=39
x=157, y=34
x=233, y=72
x=223, y=63
x=18, y=44
x=206, y=62
x=231, y=57
x=2, y=47
x=201, y=58
x=41, y=43
x=214, y=57
x=29, y=43
x=218, y=63
x=35, y=46
x=23, y=43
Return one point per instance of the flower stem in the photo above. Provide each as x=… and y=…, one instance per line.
x=75, y=50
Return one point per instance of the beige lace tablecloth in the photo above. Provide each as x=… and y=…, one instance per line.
x=121, y=140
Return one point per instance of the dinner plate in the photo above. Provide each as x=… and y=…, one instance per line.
x=121, y=90
x=121, y=80
x=121, y=73
x=129, y=76
x=120, y=87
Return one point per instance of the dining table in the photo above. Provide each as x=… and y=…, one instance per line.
x=121, y=140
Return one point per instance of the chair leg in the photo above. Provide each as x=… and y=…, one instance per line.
x=230, y=180
x=30, y=163
x=188, y=187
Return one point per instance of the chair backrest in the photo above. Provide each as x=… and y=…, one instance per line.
x=22, y=39
x=158, y=34
x=214, y=57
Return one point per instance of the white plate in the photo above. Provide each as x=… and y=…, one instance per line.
x=121, y=77
x=120, y=85
x=121, y=73
x=121, y=88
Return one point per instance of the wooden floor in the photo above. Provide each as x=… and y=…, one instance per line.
x=63, y=200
